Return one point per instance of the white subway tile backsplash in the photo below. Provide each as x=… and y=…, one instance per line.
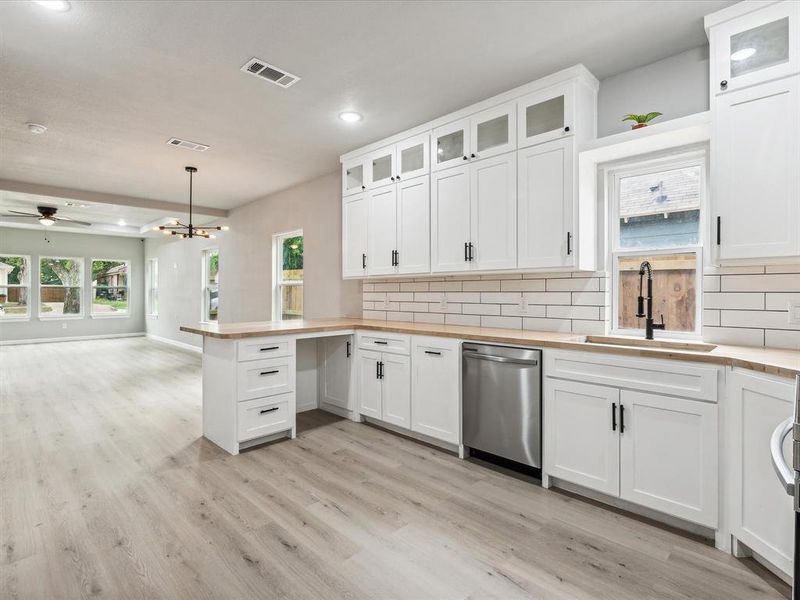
x=400, y=296
x=780, y=301
x=504, y=322
x=463, y=296
x=787, y=282
x=589, y=298
x=764, y=319
x=711, y=283
x=737, y=300
x=399, y=316
x=413, y=286
x=734, y=336
x=480, y=309
x=588, y=327
x=523, y=285
x=589, y=313
x=387, y=287
x=515, y=310
x=481, y=286
x=445, y=286
x=783, y=269
x=548, y=297
x=470, y=320
x=499, y=298
x=374, y=314
x=573, y=285
x=711, y=318
x=374, y=296
x=535, y=324
x=780, y=338
x=428, y=318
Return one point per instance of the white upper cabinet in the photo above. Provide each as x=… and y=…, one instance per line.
x=450, y=222
x=755, y=175
x=546, y=115
x=450, y=144
x=493, y=132
x=752, y=44
x=545, y=205
x=354, y=174
x=493, y=213
x=381, y=167
x=382, y=230
x=413, y=231
x=413, y=158
x=354, y=236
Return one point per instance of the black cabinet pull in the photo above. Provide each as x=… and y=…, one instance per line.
x=398, y=178
x=719, y=230
x=268, y=348
x=347, y=350
x=392, y=178
x=465, y=157
x=613, y=416
x=363, y=187
x=472, y=155
x=723, y=84
x=466, y=251
x=566, y=128
x=363, y=261
x=569, y=242
x=379, y=370
x=269, y=372
x=471, y=248
x=381, y=342
x=622, y=418
x=432, y=353
x=268, y=410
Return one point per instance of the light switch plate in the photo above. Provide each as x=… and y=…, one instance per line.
x=794, y=312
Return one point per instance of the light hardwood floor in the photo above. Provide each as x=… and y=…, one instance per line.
x=108, y=490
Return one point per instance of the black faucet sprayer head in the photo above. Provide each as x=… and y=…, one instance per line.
x=645, y=266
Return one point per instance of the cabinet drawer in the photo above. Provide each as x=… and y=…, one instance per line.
x=388, y=342
x=673, y=377
x=258, y=348
x=269, y=377
x=264, y=416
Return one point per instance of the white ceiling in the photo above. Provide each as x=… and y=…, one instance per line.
x=114, y=80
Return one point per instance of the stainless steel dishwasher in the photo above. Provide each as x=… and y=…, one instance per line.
x=502, y=401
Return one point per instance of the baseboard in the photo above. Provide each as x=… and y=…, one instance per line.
x=304, y=407
x=74, y=338
x=336, y=410
x=177, y=344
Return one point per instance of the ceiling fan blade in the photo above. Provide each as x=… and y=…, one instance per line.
x=9, y=219
x=24, y=214
x=68, y=220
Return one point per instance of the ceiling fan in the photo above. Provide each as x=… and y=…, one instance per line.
x=47, y=216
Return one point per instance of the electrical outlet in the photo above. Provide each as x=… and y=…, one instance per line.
x=523, y=304
x=794, y=312
x=443, y=302
x=386, y=303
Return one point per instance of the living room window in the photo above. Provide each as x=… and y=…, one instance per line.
x=210, y=284
x=60, y=287
x=15, y=281
x=110, y=287
x=287, y=248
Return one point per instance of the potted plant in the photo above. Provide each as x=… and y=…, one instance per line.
x=641, y=120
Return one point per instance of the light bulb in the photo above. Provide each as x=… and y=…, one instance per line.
x=47, y=221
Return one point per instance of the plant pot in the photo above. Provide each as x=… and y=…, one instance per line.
x=638, y=125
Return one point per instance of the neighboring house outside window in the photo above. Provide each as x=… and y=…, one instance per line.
x=151, y=285
x=60, y=287
x=110, y=287
x=15, y=281
x=657, y=214
x=210, y=284
x=287, y=250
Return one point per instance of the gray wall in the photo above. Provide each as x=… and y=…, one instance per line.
x=676, y=86
x=35, y=243
x=245, y=281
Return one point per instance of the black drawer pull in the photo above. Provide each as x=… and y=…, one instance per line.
x=269, y=372
x=268, y=410
x=348, y=350
x=381, y=342
x=270, y=348
x=432, y=353
x=613, y=416
x=621, y=418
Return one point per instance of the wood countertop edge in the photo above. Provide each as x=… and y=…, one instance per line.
x=527, y=338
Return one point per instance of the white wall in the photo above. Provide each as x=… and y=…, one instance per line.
x=35, y=243
x=676, y=86
x=245, y=281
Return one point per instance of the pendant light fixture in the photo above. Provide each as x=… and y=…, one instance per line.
x=189, y=231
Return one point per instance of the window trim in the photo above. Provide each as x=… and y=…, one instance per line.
x=277, y=272
x=150, y=286
x=205, y=287
x=62, y=317
x=29, y=286
x=675, y=158
x=127, y=287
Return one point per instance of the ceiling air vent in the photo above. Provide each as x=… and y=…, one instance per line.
x=187, y=144
x=264, y=70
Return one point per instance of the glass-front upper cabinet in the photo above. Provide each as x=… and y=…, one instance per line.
x=755, y=47
x=381, y=167
x=493, y=131
x=413, y=157
x=546, y=115
x=450, y=144
x=354, y=176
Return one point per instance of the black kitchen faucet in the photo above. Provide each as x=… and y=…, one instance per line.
x=649, y=326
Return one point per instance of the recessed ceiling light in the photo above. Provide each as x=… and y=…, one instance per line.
x=36, y=128
x=121, y=223
x=57, y=5
x=743, y=54
x=349, y=116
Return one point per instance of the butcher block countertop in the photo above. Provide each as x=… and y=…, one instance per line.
x=785, y=363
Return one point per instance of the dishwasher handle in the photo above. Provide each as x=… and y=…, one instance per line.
x=782, y=470
x=500, y=359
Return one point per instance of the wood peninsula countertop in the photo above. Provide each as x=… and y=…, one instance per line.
x=785, y=363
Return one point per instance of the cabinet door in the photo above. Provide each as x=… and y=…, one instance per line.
x=668, y=459
x=756, y=180
x=381, y=167
x=354, y=175
x=757, y=47
x=370, y=401
x=546, y=205
x=335, y=358
x=413, y=157
x=396, y=392
x=382, y=230
x=493, y=214
x=413, y=226
x=434, y=388
x=354, y=236
x=450, y=219
x=581, y=442
x=493, y=131
x=762, y=513
x=450, y=145
x=546, y=115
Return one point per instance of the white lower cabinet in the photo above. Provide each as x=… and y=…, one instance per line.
x=761, y=512
x=435, y=398
x=336, y=372
x=384, y=387
x=654, y=450
x=369, y=384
